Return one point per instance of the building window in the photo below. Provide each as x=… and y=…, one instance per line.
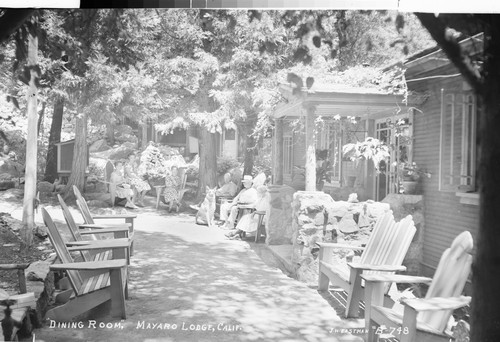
x=287, y=155
x=176, y=138
x=458, y=142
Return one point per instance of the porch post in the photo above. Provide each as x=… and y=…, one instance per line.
x=370, y=169
x=278, y=155
x=310, y=148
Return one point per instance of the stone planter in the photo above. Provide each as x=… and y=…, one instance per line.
x=279, y=221
x=410, y=187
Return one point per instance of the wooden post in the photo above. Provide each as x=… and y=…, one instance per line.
x=278, y=157
x=31, y=145
x=310, y=149
x=369, y=168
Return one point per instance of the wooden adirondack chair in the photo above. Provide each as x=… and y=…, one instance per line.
x=104, y=280
x=384, y=252
x=120, y=236
x=89, y=219
x=424, y=319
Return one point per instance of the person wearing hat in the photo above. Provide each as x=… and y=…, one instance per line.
x=247, y=198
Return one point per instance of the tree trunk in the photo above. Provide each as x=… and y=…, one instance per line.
x=485, y=324
x=40, y=118
x=79, y=164
x=208, y=162
x=249, y=150
x=310, y=150
x=110, y=133
x=55, y=137
x=31, y=147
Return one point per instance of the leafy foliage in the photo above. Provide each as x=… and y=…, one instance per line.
x=153, y=165
x=370, y=149
x=225, y=164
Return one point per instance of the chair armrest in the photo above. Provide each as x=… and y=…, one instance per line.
x=100, y=244
x=338, y=245
x=104, y=226
x=21, y=277
x=436, y=303
x=114, y=216
x=13, y=266
x=384, y=268
x=395, y=278
x=104, y=231
x=92, y=265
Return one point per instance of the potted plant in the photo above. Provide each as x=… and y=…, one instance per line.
x=153, y=166
x=370, y=149
x=409, y=176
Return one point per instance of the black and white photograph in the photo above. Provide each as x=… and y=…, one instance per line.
x=249, y=171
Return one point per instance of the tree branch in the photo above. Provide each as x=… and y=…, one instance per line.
x=11, y=20
x=452, y=49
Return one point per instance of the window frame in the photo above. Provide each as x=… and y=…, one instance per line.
x=465, y=108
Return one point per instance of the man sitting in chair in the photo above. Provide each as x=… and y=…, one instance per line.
x=229, y=189
x=246, y=198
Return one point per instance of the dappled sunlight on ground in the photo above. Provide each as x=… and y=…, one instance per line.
x=188, y=283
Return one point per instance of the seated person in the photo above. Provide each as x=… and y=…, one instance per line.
x=229, y=189
x=7, y=153
x=119, y=188
x=247, y=198
x=139, y=185
x=248, y=223
x=172, y=187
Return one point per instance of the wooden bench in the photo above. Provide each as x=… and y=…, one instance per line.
x=20, y=304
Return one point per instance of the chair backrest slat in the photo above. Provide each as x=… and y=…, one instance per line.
x=73, y=228
x=450, y=278
x=61, y=250
x=388, y=243
x=378, y=234
x=82, y=204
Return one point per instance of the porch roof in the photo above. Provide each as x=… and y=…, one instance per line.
x=332, y=100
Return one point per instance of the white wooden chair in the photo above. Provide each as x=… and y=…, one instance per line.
x=89, y=218
x=93, y=283
x=120, y=234
x=384, y=252
x=424, y=319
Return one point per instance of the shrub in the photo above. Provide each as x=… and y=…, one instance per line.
x=152, y=164
x=225, y=164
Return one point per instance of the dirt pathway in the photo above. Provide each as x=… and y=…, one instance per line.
x=188, y=283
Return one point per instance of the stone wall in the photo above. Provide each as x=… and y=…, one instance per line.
x=317, y=217
x=279, y=220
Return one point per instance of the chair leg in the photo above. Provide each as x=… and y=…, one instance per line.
x=355, y=294
x=323, y=282
x=157, y=198
x=259, y=227
x=372, y=328
x=118, y=293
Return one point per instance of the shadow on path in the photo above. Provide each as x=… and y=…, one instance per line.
x=188, y=283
